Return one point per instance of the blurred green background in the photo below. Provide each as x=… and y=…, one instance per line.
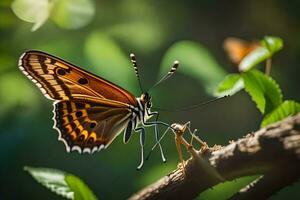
x=98, y=36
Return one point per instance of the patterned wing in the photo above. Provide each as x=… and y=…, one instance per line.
x=88, y=126
x=60, y=80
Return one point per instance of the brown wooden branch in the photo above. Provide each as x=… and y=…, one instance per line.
x=273, y=151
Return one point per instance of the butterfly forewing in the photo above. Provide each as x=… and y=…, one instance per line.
x=89, y=112
x=61, y=80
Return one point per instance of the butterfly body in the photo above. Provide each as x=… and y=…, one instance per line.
x=89, y=111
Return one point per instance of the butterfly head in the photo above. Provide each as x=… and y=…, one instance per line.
x=146, y=100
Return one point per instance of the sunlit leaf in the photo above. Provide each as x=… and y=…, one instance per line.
x=270, y=45
x=73, y=14
x=273, y=44
x=230, y=85
x=33, y=11
x=287, y=108
x=81, y=190
x=196, y=61
x=109, y=60
x=263, y=90
x=253, y=58
x=61, y=183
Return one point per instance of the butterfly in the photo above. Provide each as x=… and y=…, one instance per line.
x=89, y=111
x=237, y=48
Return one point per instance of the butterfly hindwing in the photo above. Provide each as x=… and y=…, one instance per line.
x=89, y=126
x=60, y=80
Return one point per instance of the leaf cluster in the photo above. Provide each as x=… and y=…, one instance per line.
x=261, y=87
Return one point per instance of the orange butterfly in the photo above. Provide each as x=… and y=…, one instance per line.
x=89, y=111
x=237, y=48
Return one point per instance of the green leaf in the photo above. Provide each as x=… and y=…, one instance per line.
x=61, y=183
x=253, y=58
x=270, y=45
x=72, y=14
x=231, y=84
x=196, y=61
x=33, y=11
x=263, y=90
x=287, y=108
x=273, y=44
x=81, y=190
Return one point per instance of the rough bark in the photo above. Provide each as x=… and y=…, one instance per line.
x=272, y=152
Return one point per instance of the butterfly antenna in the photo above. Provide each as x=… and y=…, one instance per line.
x=192, y=106
x=135, y=67
x=168, y=75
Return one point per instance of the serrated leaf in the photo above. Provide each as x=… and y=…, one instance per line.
x=273, y=44
x=195, y=61
x=61, y=183
x=231, y=84
x=263, y=90
x=287, y=108
x=72, y=14
x=33, y=11
x=270, y=45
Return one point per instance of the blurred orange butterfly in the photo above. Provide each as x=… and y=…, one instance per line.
x=237, y=48
x=89, y=111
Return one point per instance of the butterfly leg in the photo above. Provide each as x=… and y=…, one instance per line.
x=157, y=136
x=142, y=143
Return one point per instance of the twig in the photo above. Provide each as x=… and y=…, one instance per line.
x=262, y=152
x=268, y=66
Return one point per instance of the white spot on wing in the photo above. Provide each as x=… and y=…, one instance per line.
x=94, y=149
x=76, y=148
x=86, y=150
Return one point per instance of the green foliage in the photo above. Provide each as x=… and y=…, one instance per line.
x=227, y=189
x=13, y=89
x=231, y=84
x=287, y=108
x=72, y=14
x=195, y=61
x=270, y=45
x=69, y=14
x=33, y=11
x=61, y=183
x=263, y=90
x=106, y=56
x=273, y=44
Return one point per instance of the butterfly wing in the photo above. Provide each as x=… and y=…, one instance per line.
x=237, y=48
x=89, y=112
x=88, y=126
x=60, y=80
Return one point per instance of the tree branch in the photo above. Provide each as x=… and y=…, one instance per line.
x=266, y=152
